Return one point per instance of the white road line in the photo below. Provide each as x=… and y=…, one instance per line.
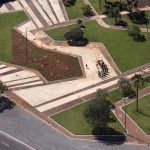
x=48, y=10
x=5, y=144
x=16, y=140
x=57, y=9
x=41, y=12
x=28, y=9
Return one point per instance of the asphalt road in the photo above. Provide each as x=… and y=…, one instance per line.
x=8, y=143
x=28, y=129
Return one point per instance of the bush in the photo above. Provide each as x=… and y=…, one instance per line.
x=133, y=31
x=101, y=92
x=87, y=10
x=75, y=34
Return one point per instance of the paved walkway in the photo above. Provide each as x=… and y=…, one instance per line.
x=132, y=128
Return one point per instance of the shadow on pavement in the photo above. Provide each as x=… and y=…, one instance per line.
x=5, y=104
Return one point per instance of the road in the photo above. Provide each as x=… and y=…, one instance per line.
x=9, y=143
x=37, y=134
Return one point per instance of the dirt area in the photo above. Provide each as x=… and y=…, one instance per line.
x=52, y=65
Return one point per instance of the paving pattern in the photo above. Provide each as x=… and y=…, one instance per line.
x=17, y=77
x=41, y=12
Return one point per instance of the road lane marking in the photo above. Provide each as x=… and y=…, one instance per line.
x=5, y=144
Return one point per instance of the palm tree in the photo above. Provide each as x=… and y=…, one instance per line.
x=139, y=80
x=117, y=14
x=131, y=4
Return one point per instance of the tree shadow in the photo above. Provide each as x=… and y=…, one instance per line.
x=143, y=114
x=109, y=136
x=82, y=42
x=5, y=104
x=138, y=18
x=70, y=3
x=121, y=23
x=5, y=1
x=138, y=139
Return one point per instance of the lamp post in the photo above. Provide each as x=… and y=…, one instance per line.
x=26, y=42
x=147, y=19
x=125, y=120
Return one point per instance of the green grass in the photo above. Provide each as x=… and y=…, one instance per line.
x=73, y=120
x=142, y=118
x=127, y=19
x=7, y=21
x=116, y=95
x=75, y=11
x=126, y=52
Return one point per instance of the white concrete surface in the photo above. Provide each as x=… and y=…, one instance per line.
x=16, y=5
x=42, y=12
x=6, y=69
x=34, y=17
x=48, y=10
x=3, y=9
x=57, y=9
x=19, y=79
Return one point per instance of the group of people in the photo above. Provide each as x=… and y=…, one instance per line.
x=102, y=69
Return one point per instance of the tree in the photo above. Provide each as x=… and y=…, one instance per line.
x=123, y=82
x=131, y=4
x=75, y=34
x=138, y=80
x=125, y=86
x=117, y=14
x=87, y=10
x=134, y=31
x=79, y=22
x=3, y=87
x=101, y=92
x=97, y=113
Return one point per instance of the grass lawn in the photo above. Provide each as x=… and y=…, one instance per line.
x=116, y=95
x=138, y=19
x=7, y=21
x=73, y=120
x=75, y=11
x=52, y=65
x=142, y=118
x=126, y=52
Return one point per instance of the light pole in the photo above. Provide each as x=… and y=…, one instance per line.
x=26, y=42
x=125, y=120
x=147, y=19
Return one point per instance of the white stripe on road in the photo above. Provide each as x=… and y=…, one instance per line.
x=5, y=144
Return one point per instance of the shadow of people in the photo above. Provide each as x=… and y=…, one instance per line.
x=5, y=104
x=109, y=136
